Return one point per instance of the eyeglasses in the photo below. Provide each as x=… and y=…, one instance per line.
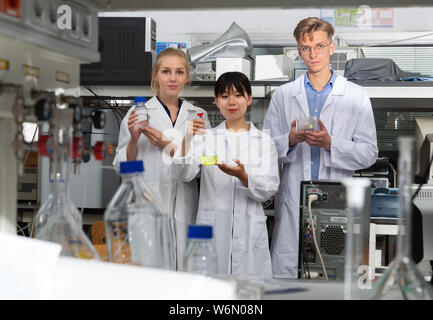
x=318, y=48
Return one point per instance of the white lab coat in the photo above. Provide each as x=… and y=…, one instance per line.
x=235, y=212
x=180, y=199
x=348, y=116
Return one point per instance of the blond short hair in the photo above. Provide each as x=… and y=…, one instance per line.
x=307, y=26
x=154, y=85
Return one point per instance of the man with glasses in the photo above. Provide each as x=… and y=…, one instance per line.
x=343, y=141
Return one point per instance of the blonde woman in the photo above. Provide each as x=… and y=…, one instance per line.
x=156, y=143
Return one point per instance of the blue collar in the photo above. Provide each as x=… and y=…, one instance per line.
x=331, y=81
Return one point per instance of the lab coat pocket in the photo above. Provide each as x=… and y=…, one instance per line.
x=259, y=232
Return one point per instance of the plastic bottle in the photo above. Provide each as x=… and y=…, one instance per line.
x=141, y=109
x=200, y=256
x=135, y=222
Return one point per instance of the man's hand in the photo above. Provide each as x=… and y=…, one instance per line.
x=294, y=135
x=235, y=171
x=320, y=139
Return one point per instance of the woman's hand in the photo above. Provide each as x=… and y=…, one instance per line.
x=134, y=130
x=155, y=137
x=235, y=171
x=196, y=126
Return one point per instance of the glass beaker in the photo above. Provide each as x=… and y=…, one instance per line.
x=403, y=280
x=358, y=275
x=307, y=124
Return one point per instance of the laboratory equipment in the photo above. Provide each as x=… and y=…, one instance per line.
x=242, y=65
x=95, y=184
x=323, y=230
x=307, y=124
x=234, y=43
x=44, y=211
x=424, y=148
x=128, y=51
x=136, y=225
x=208, y=157
x=358, y=275
x=403, y=280
x=200, y=256
x=272, y=67
x=142, y=112
x=384, y=202
x=39, y=56
x=62, y=224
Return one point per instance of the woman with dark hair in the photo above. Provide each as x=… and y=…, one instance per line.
x=239, y=171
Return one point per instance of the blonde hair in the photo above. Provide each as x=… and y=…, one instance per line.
x=309, y=25
x=154, y=85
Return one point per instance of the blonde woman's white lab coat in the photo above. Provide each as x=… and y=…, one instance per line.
x=235, y=212
x=180, y=198
x=348, y=116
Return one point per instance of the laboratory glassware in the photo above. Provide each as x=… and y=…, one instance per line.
x=136, y=225
x=358, y=275
x=200, y=256
x=403, y=280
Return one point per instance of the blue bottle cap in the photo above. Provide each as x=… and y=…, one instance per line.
x=139, y=99
x=199, y=232
x=127, y=167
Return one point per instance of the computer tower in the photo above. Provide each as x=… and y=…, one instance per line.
x=330, y=230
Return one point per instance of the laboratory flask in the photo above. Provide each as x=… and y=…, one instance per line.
x=403, y=280
x=358, y=275
x=45, y=209
x=142, y=112
x=208, y=156
x=61, y=225
x=136, y=223
x=200, y=256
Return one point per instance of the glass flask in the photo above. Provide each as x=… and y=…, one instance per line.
x=208, y=157
x=403, y=280
x=137, y=230
x=357, y=275
x=200, y=256
x=45, y=209
x=61, y=224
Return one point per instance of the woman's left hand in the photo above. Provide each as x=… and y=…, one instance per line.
x=156, y=137
x=235, y=171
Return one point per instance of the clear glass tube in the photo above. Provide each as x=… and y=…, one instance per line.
x=403, y=280
x=358, y=276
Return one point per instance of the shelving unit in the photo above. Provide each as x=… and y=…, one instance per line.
x=264, y=89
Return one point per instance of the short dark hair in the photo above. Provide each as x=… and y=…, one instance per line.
x=228, y=80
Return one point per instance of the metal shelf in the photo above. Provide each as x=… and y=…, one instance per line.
x=262, y=89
